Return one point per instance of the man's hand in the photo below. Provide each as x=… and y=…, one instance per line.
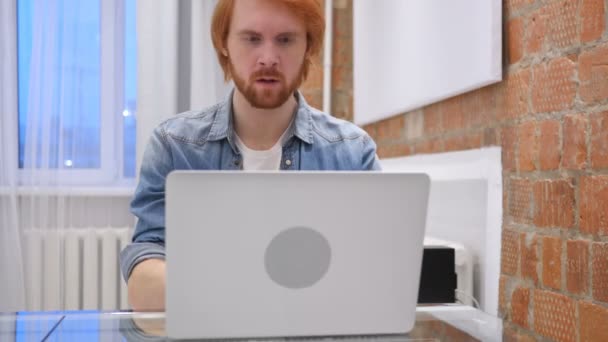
x=147, y=286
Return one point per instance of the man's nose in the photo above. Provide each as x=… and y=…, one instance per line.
x=269, y=56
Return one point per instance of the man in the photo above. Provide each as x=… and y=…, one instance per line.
x=266, y=48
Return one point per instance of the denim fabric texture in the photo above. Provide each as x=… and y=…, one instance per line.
x=205, y=140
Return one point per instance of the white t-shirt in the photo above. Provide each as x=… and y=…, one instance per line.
x=267, y=160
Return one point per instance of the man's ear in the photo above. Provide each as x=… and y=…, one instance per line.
x=224, y=52
x=307, y=55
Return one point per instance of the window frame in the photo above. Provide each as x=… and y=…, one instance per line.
x=112, y=63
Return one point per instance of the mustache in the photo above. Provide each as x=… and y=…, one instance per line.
x=267, y=72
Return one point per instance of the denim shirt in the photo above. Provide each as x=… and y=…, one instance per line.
x=204, y=140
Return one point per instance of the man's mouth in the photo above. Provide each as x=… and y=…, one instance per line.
x=267, y=80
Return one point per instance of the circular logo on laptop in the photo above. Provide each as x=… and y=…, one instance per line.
x=297, y=257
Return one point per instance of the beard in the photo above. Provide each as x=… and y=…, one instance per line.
x=266, y=98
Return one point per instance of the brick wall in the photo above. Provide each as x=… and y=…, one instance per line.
x=550, y=115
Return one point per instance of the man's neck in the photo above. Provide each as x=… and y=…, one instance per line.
x=260, y=129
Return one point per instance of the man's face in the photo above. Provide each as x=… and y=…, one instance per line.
x=266, y=47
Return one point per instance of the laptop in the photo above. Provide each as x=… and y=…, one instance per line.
x=293, y=254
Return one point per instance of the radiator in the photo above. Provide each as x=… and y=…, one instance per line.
x=75, y=269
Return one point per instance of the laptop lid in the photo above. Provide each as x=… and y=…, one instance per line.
x=277, y=254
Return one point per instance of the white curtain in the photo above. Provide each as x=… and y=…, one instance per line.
x=12, y=294
x=65, y=81
x=68, y=140
x=177, y=65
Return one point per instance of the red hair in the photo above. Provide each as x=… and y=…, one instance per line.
x=308, y=11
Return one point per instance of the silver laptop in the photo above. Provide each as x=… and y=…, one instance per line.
x=285, y=254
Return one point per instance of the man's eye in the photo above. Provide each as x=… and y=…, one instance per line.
x=252, y=39
x=284, y=40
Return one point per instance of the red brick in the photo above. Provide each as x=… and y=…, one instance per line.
x=536, y=32
x=513, y=5
x=594, y=322
x=391, y=128
x=525, y=337
x=414, y=125
x=314, y=81
x=515, y=39
x=394, y=150
x=342, y=77
x=509, y=334
x=480, y=105
x=474, y=140
x=528, y=146
x=599, y=265
x=509, y=148
x=490, y=137
x=451, y=333
x=342, y=51
x=506, y=193
x=463, y=142
x=562, y=23
x=599, y=140
x=516, y=93
x=453, y=116
x=512, y=335
x=455, y=144
x=520, y=200
x=520, y=301
x=371, y=130
x=577, y=266
x=552, y=262
x=529, y=256
x=593, y=19
x=592, y=61
x=554, y=203
x=502, y=294
x=554, y=316
x=550, y=146
x=575, y=142
x=429, y=146
x=432, y=119
x=343, y=19
x=424, y=327
x=510, y=252
x=593, y=74
x=553, y=26
x=342, y=104
x=554, y=87
x=593, y=204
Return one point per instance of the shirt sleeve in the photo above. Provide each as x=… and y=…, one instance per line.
x=148, y=205
x=370, y=161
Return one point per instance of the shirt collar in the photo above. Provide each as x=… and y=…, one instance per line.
x=222, y=126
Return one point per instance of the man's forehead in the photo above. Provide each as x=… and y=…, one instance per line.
x=268, y=17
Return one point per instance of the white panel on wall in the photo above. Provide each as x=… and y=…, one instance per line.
x=410, y=53
x=465, y=206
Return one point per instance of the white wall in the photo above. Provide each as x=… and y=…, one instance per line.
x=465, y=206
x=411, y=53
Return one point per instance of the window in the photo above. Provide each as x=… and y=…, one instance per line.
x=77, y=104
x=129, y=133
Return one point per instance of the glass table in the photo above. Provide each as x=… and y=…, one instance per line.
x=433, y=323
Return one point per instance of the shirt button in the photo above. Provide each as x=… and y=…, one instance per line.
x=288, y=162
